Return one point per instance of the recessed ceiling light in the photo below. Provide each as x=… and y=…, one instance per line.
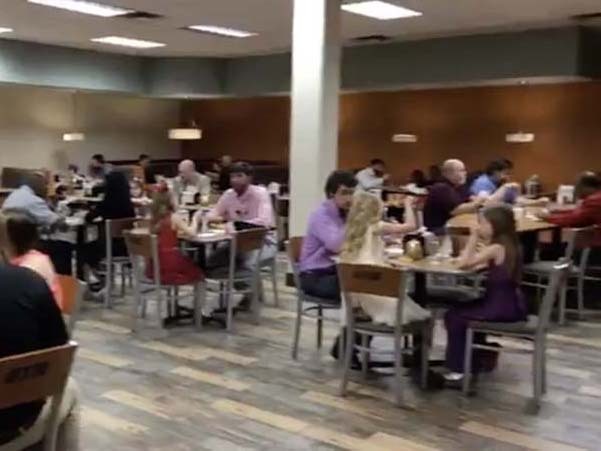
x=6, y=30
x=128, y=42
x=380, y=10
x=222, y=31
x=84, y=7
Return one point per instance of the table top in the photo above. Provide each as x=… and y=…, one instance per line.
x=524, y=224
x=431, y=265
x=201, y=238
x=84, y=199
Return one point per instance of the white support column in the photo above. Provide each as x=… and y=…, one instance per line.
x=314, y=114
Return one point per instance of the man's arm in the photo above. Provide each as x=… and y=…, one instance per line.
x=368, y=181
x=581, y=216
x=42, y=213
x=265, y=214
x=468, y=207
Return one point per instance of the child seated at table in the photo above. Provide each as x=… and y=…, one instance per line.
x=18, y=238
x=175, y=267
x=364, y=244
x=503, y=300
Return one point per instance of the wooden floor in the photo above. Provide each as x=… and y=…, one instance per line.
x=242, y=391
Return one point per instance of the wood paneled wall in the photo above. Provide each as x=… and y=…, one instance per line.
x=466, y=123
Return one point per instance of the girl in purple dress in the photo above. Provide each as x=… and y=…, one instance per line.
x=503, y=301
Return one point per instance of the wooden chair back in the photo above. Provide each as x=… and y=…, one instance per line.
x=36, y=375
x=140, y=244
x=72, y=291
x=294, y=248
x=250, y=240
x=371, y=279
x=116, y=227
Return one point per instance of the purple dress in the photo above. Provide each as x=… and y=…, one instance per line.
x=503, y=301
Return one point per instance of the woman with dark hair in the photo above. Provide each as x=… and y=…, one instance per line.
x=503, y=300
x=116, y=204
x=18, y=238
x=418, y=178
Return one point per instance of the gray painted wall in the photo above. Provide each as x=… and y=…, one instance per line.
x=564, y=52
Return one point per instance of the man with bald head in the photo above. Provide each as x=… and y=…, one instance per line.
x=190, y=181
x=449, y=197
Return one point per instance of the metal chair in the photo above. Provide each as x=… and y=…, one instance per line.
x=579, y=239
x=242, y=243
x=143, y=249
x=387, y=282
x=114, y=229
x=319, y=305
x=33, y=376
x=534, y=330
x=72, y=290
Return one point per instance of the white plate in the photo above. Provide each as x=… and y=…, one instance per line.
x=394, y=251
x=208, y=234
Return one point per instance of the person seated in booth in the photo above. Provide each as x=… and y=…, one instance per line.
x=30, y=320
x=364, y=244
x=373, y=177
x=495, y=184
x=503, y=300
x=449, y=197
x=189, y=182
x=116, y=204
x=98, y=167
x=18, y=238
x=144, y=162
x=586, y=213
x=418, y=178
x=224, y=173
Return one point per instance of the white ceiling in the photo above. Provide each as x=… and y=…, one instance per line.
x=272, y=19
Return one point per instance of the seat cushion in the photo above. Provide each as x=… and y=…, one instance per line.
x=546, y=267
x=520, y=328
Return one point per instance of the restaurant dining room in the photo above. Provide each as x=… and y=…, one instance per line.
x=254, y=225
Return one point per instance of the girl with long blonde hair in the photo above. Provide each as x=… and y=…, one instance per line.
x=364, y=244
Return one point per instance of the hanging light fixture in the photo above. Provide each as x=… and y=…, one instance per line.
x=191, y=133
x=74, y=135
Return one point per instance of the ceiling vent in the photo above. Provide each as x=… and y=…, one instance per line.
x=371, y=38
x=140, y=15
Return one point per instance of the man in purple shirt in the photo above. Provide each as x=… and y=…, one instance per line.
x=324, y=238
x=449, y=198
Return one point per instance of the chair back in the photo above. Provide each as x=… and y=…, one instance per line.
x=371, y=280
x=558, y=277
x=116, y=227
x=250, y=240
x=140, y=244
x=72, y=290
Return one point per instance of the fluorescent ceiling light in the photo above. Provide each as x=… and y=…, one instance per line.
x=222, y=31
x=6, y=30
x=519, y=137
x=74, y=136
x=185, y=134
x=84, y=7
x=404, y=138
x=380, y=10
x=128, y=42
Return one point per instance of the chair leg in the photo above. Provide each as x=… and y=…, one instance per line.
x=199, y=301
x=229, y=306
x=543, y=364
x=425, y=352
x=122, y=280
x=256, y=300
x=562, y=303
x=537, y=376
x=364, y=356
x=398, y=371
x=297, y=327
x=467, y=362
x=350, y=332
x=274, y=281
x=319, y=326
x=108, y=288
x=581, y=295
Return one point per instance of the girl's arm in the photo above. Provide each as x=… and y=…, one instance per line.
x=180, y=226
x=471, y=257
x=410, y=225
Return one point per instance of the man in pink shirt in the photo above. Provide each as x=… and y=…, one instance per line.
x=244, y=205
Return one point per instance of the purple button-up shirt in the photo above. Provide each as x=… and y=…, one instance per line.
x=324, y=238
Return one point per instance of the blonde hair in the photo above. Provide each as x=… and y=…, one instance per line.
x=365, y=212
x=161, y=207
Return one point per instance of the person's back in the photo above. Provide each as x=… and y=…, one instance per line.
x=29, y=320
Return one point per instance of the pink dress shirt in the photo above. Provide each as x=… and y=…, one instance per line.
x=254, y=206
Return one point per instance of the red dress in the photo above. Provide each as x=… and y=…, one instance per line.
x=176, y=268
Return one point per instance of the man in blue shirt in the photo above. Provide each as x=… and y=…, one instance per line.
x=495, y=178
x=30, y=198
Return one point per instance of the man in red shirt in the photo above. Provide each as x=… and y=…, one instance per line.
x=588, y=210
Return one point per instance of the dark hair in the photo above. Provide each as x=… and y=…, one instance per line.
x=498, y=166
x=98, y=157
x=241, y=167
x=508, y=163
x=504, y=232
x=143, y=156
x=117, y=197
x=377, y=161
x=21, y=230
x=337, y=179
x=418, y=177
x=587, y=182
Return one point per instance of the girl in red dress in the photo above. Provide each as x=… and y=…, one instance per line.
x=175, y=267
